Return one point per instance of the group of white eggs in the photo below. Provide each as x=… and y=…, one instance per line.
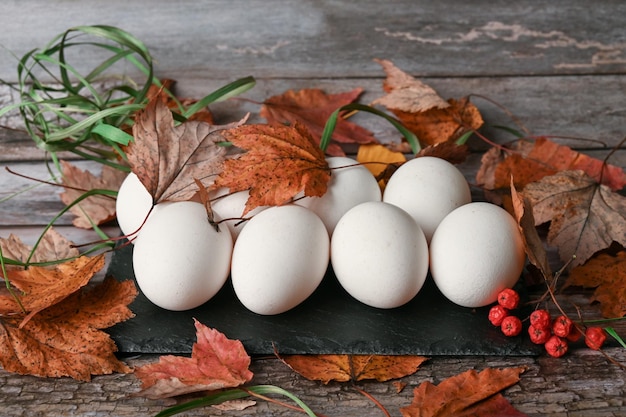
x=380, y=245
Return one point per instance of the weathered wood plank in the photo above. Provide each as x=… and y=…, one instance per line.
x=586, y=107
x=320, y=39
x=548, y=387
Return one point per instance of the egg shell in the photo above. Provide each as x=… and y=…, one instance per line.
x=350, y=184
x=379, y=255
x=428, y=188
x=280, y=258
x=231, y=206
x=180, y=260
x=476, y=252
x=132, y=206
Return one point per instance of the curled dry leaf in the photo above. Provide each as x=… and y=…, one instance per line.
x=423, y=112
x=470, y=393
x=279, y=163
x=585, y=217
x=66, y=339
x=607, y=274
x=343, y=368
x=52, y=247
x=169, y=158
x=216, y=362
x=312, y=108
x=95, y=209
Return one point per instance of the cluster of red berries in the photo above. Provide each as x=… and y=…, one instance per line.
x=554, y=334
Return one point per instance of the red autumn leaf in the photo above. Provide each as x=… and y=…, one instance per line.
x=433, y=119
x=344, y=368
x=95, y=209
x=52, y=247
x=279, y=163
x=312, y=108
x=66, y=339
x=470, y=393
x=216, y=362
x=530, y=161
x=585, y=217
x=605, y=273
x=169, y=158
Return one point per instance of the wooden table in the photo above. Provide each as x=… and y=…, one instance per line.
x=559, y=68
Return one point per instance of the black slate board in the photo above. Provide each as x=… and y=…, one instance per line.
x=330, y=321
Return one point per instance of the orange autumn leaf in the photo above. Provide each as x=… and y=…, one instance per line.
x=530, y=161
x=279, y=163
x=470, y=393
x=66, y=339
x=343, y=368
x=95, y=209
x=51, y=247
x=312, y=108
x=605, y=273
x=169, y=158
x=433, y=119
x=40, y=288
x=585, y=217
x=216, y=362
x=380, y=161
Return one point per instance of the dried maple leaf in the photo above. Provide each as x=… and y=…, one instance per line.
x=43, y=287
x=66, y=339
x=312, y=108
x=529, y=161
x=585, y=217
x=380, y=161
x=95, y=209
x=450, y=151
x=470, y=393
x=342, y=368
x=607, y=274
x=533, y=245
x=216, y=362
x=423, y=112
x=168, y=158
x=52, y=247
x=279, y=163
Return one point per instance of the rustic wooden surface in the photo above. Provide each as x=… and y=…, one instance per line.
x=560, y=68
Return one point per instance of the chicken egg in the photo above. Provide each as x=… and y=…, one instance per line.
x=379, y=255
x=132, y=206
x=180, y=260
x=280, y=258
x=350, y=184
x=230, y=208
x=428, y=188
x=476, y=252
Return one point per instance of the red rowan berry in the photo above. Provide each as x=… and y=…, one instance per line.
x=556, y=347
x=508, y=298
x=595, y=337
x=537, y=335
x=540, y=319
x=497, y=313
x=511, y=326
x=561, y=326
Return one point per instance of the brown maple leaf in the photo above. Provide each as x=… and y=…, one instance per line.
x=169, y=158
x=607, y=274
x=41, y=288
x=312, y=108
x=343, y=368
x=470, y=393
x=95, y=209
x=423, y=112
x=585, y=217
x=279, y=163
x=216, y=362
x=529, y=161
x=66, y=339
x=51, y=247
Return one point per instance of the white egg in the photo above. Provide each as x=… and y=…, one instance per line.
x=379, y=255
x=230, y=208
x=475, y=253
x=180, y=260
x=350, y=184
x=279, y=259
x=132, y=206
x=428, y=188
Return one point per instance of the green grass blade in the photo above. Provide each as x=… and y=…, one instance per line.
x=611, y=331
x=230, y=90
